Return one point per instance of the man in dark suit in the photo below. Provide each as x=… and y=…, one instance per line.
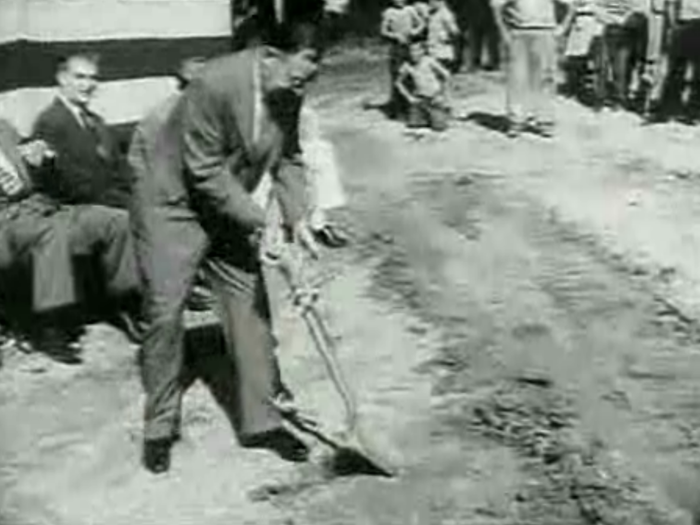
x=88, y=169
x=37, y=231
x=196, y=163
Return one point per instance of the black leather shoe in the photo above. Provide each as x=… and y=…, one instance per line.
x=280, y=441
x=156, y=455
x=56, y=344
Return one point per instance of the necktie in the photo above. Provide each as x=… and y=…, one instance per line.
x=89, y=121
x=91, y=124
x=10, y=180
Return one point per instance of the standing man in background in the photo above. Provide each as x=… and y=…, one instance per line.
x=528, y=30
x=89, y=174
x=683, y=33
x=482, y=34
x=88, y=167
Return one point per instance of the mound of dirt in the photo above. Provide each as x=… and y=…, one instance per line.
x=570, y=470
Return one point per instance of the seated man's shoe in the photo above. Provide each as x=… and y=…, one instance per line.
x=331, y=236
x=56, y=343
x=156, y=455
x=280, y=441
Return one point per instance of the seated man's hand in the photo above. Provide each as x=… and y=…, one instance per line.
x=35, y=152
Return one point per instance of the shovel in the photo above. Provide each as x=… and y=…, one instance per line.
x=353, y=453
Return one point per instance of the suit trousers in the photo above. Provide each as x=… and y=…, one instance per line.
x=398, y=54
x=48, y=237
x=683, y=54
x=171, y=250
x=619, y=51
x=531, y=83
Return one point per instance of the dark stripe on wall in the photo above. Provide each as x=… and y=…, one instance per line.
x=33, y=64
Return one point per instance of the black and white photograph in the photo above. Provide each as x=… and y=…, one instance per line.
x=349, y=262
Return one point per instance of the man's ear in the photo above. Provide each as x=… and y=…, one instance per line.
x=271, y=52
x=60, y=77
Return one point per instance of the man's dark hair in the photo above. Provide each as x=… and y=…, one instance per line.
x=292, y=37
x=87, y=56
x=187, y=70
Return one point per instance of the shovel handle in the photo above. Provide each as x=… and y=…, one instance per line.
x=323, y=341
x=326, y=349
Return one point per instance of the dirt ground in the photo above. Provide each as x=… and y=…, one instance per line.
x=518, y=317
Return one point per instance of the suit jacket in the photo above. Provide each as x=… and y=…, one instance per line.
x=195, y=154
x=9, y=144
x=88, y=168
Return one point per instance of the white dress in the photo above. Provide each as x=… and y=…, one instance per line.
x=325, y=189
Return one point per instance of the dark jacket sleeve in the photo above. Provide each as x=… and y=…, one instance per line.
x=65, y=179
x=210, y=166
x=290, y=173
x=120, y=176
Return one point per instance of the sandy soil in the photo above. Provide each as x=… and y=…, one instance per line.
x=518, y=316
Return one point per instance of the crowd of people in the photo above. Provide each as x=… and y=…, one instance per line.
x=636, y=55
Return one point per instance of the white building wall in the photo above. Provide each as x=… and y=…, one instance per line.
x=91, y=22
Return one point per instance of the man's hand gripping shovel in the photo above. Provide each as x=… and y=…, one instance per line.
x=352, y=452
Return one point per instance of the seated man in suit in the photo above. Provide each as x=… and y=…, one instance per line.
x=36, y=230
x=88, y=167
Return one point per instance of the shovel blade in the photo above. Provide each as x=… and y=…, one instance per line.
x=352, y=455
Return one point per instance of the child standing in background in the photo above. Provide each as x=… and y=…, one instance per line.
x=423, y=9
x=422, y=81
x=442, y=34
x=400, y=24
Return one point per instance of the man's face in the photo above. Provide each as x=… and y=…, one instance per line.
x=290, y=75
x=78, y=81
x=399, y=3
x=416, y=53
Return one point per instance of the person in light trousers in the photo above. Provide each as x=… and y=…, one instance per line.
x=528, y=29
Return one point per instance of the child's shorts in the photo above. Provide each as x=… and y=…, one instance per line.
x=428, y=114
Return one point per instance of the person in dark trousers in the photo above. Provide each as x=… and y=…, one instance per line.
x=619, y=47
x=193, y=210
x=482, y=35
x=683, y=29
x=88, y=168
x=37, y=231
x=442, y=34
x=88, y=171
